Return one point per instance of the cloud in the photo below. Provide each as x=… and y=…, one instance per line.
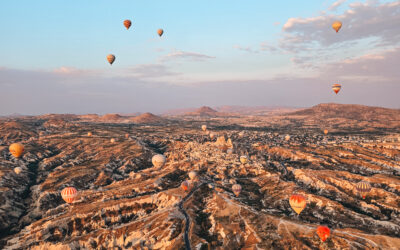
x=336, y=5
x=377, y=67
x=182, y=55
x=361, y=21
x=151, y=71
x=246, y=49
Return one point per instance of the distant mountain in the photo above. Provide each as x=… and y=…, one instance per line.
x=147, y=118
x=204, y=112
x=348, y=115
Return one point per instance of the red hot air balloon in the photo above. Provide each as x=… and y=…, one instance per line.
x=336, y=88
x=69, y=194
x=185, y=185
x=127, y=24
x=323, y=232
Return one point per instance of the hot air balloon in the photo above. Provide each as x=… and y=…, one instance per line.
x=241, y=134
x=160, y=32
x=326, y=131
x=89, y=134
x=244, y=159
x=111, y=58
x=127, y=24
x=204, y=127
x=363, y=187
x=211, y=186
x=126, y=136
x=16, y=149
x=323, y=232
x=336, y=88
x=287, y=137
x=185, y=185
x=236, y=189
x=229, y=151
x=212, y=135
x=69, y=194
x=336, y=26
x=158, y=160
x=17, y=170
x=297, y=202
x=192, y=175
x=112, y=140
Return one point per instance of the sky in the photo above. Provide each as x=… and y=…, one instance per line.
x=213, y=53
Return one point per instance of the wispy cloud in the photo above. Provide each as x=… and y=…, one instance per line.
x=183, y=55
x=336, y=5
x=151, y=71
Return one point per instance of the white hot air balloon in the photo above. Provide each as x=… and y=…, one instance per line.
x=192, y=175
x=158, y=160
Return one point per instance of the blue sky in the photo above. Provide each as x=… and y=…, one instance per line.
x=64, y=44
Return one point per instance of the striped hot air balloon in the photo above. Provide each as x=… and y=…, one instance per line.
x=236, y=189
x=69, y=194
x=297, y=202
x=363, y=187
x=336, y=88
x=323, y=232
x=127, y=24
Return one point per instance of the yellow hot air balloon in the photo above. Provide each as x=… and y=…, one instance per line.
x=111, y=58
x=336, y=26
x=16, y=149
x=204, y=127
x=297, y=202
x=336, y=88
x=244, y=159
x=160, y=32
x=127, y=24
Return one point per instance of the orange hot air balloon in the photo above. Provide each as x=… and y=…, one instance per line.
x=244, y=159
x=69, y=194
x=326, y=131
x=236, y=189
x=16, y=149
x=160, y=32
x=89, y=134
x=297, y=202
x=111, y=58
x=336, y=88
x=337, y=25
x=363, y=187
x=185, y=185
x=323, y=232
x=127, y=24
x=126, y=136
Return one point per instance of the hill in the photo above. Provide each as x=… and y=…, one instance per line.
x=147, y=118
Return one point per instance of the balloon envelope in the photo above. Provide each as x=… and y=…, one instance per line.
x=17, y=170
x=297, y=202
x=127, y=24
x=158, y=160
x=363, y=187
x=244, y=159
x=336, y=26
x=323, y=232
x=236, y=189
x=204, y=127
x=336, y=88
x=89, y=134
x=185, y=185
x=326, y=131
x=192, y=175
x=69, y=194
x=16, y=149
x=111, y=58
x=160, y=32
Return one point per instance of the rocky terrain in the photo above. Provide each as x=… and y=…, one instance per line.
x=125, y=203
